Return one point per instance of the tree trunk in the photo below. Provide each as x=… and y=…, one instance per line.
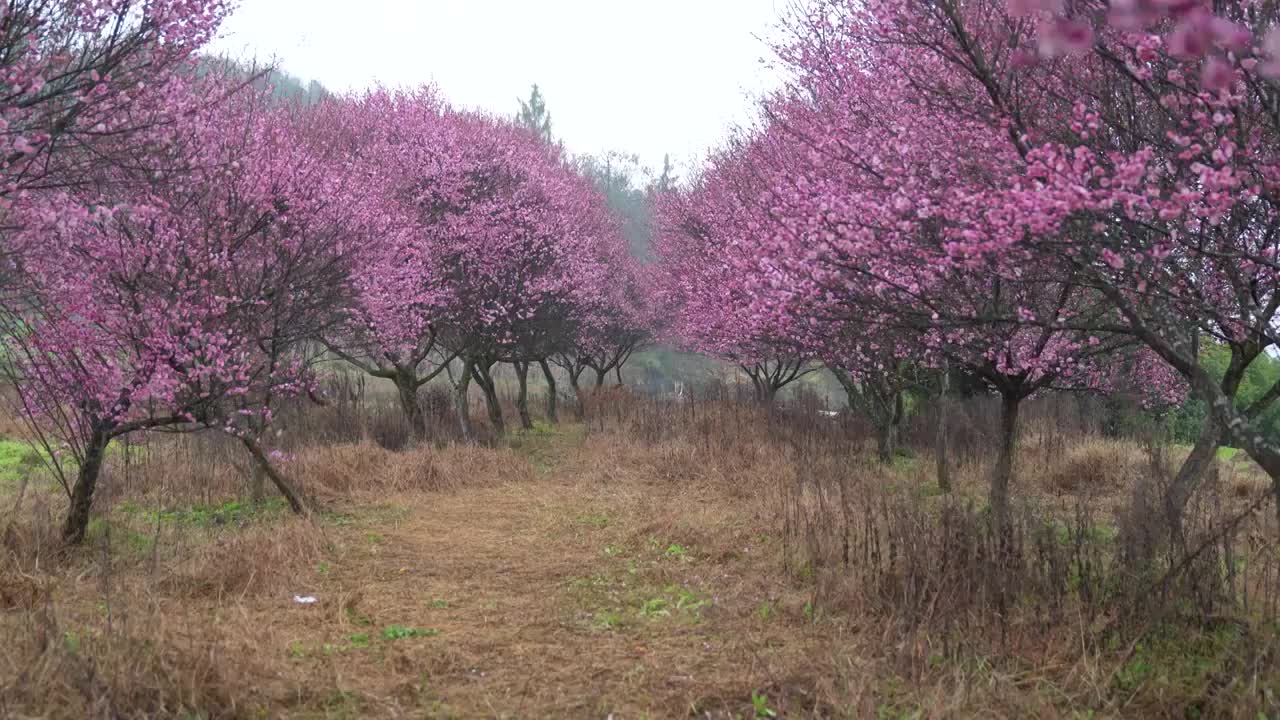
x=484, y=379
x=257, y=485
x=767, y=394
x=886, y=442
x=1002, y=474
x=887, y=421
x=552, y=415
x=764, y=390
x=282, y=484
x=1193, y=471
x=601, y=376
x=407, y=389
x=77, y=524
x=1205, y=450
x=462, y=401
x=257, y=478
x=617, y=371
x=575, y=383
x=888, y=432
x=940, y=434
x=522, y=399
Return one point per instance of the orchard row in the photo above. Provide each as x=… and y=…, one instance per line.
x=1043, y=194
x=183, y=247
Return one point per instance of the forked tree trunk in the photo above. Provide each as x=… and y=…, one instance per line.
x=940, y=434
x=552, y=413
x=484, y=379
x=764, y=390
x=462, y=401
x=887, y=424
x=601, y=376
x=77, y=523
x=257, y=484
x=1002, y=473
x=257, y=478
x=1193, y=471
x=1205, y=450
x=282, y=484
x=410, y=403
x=522, y=398
x=886, y=442
x=890, y=429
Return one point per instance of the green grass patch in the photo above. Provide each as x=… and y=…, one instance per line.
x=598, y=520
x=120, y=536
x=671, y=550
x=17, y=459
x=613, y=601
x=1183, y=662
x=400, y=632
x=231, y=512
x=543, y=445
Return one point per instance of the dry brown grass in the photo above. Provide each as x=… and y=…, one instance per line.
x=140, y=669
x=652, y=563
x=367, y=471
x=1097, y=467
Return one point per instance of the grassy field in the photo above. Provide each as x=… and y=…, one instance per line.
x=576, y=572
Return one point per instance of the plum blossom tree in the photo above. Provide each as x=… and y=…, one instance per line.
x=711, y=311
x=181, y=299
x=488, y=247
x=626, y=320
x=1173, y=216
x=1142, y=144
x=596, y=323
x=399, y=144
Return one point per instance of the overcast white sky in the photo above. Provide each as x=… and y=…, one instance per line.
x=644, y=76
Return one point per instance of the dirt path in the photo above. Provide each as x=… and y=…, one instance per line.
x=556, y=598
x=487, y=569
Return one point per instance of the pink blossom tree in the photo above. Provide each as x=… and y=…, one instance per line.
x=1142, y=145
x=601, y=321
x=182, y=299
x=627, y=319
x=488, y=247
x=699, y=229
x=399, y=144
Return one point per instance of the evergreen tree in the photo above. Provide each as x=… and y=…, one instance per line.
x=621, y=177
x=667, y=180
x=533, y=114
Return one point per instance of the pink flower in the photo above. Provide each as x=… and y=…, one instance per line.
x=1191, y=39
x=1230, y=35
x=1063, y=36
x=1027, y=8
x=1216, y=74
